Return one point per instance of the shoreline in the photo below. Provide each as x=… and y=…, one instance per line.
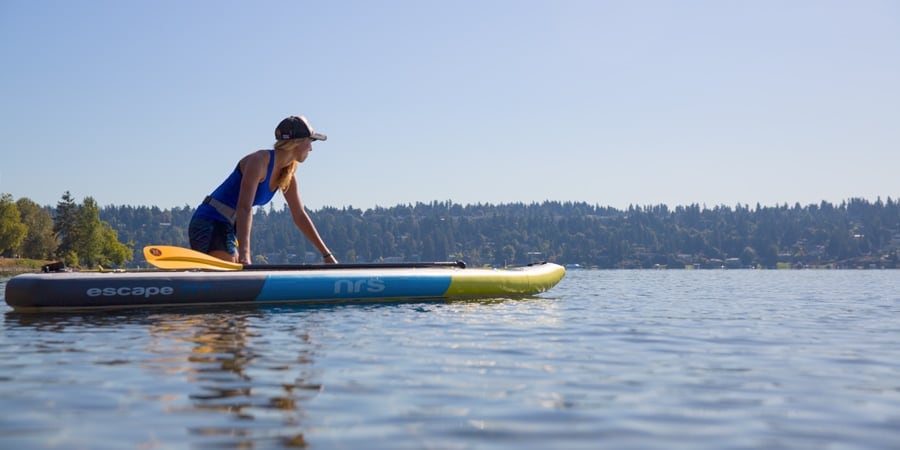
x=15, y=266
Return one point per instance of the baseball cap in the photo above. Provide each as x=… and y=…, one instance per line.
x=296, y=127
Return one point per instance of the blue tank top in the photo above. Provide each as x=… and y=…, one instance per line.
x=228, y=192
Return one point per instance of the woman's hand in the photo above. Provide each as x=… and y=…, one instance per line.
x=330, y=259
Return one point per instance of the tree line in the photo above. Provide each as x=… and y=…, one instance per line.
x=72, y=233
x=857, y=232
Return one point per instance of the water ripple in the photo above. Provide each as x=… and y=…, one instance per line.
x=621, y=359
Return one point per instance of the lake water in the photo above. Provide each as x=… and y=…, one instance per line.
x=607, y=359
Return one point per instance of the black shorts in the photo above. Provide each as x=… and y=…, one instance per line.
x=207, y=235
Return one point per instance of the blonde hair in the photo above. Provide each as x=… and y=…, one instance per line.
x=284, y=178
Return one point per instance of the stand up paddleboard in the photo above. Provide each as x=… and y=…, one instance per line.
x=185, y=277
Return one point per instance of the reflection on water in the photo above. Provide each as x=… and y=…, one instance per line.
x=224, y=359
x=256, y=383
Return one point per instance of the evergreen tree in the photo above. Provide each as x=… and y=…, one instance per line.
x=64, y=226
x=84, y=238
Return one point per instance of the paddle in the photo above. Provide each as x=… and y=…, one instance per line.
x=170, y=257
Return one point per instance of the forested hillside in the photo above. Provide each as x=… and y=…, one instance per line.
x=855, y=233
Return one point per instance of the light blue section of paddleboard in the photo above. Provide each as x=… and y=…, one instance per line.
x=337, y=285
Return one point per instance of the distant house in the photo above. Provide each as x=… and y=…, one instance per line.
x=785, y=257
x=685, y=258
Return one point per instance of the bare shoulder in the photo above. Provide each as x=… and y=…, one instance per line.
x=255, y=163
x=257, y=156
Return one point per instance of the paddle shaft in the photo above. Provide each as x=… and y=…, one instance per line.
x=178, y=258
x=414, y=265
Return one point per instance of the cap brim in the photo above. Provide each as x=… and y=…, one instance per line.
x=318, y=137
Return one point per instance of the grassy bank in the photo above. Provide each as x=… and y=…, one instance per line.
x=21, y=265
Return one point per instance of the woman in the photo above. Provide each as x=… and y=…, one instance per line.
x=225, y=217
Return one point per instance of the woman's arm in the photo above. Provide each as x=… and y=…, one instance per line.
x=253, y=168
x=304, y=222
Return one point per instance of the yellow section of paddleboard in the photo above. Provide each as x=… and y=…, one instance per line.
x=516, y=281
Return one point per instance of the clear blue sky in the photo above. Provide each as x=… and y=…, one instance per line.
x=609, y=102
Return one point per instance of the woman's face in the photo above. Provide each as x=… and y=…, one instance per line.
x=304, y=146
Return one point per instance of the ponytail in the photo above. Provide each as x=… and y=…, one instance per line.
x=284, y=177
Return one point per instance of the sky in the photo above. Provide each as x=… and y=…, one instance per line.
x=613, y=103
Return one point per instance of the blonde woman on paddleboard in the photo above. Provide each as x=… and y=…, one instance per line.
x=226, y=216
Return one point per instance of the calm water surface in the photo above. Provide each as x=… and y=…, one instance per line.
x=607, y=359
